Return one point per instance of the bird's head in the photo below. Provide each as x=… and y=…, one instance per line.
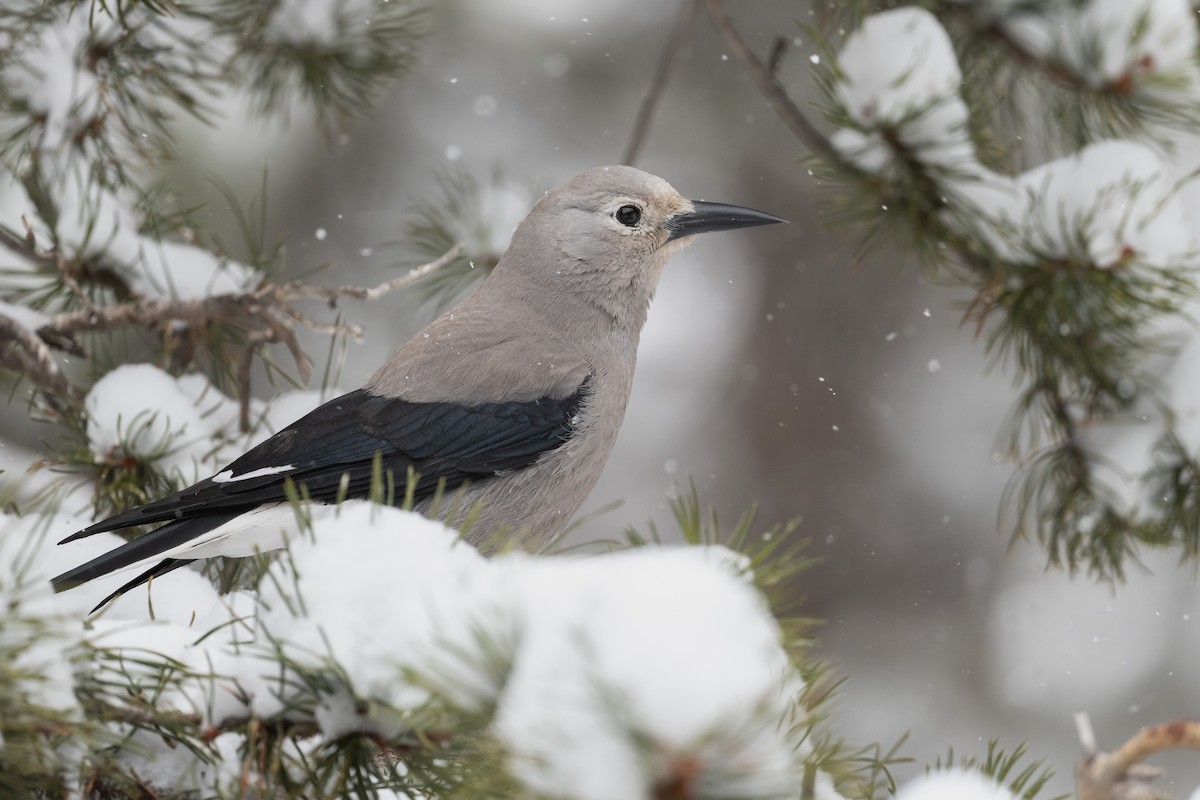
x=607, y=233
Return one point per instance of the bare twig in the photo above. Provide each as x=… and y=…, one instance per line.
x=688, y=9
x=22, y=351
x=259, y=302
x=297, y=291
x=245, y=362
x=25, y=246
x=779, y=49
x=267, y=311
x=772, y=90
x=1121, y=775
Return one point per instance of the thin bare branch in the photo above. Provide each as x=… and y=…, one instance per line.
x=245, y=363
x=24, y=246
x=688, y=10
x=267, y=312
x=1121, y=775
x=22, y=351
x=779, y=49
x=772, y=90
x=153, y=314
x=304, y=291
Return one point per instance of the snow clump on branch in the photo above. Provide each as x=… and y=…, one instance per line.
x=953, y=784
x=605, y=675
x=1127, y=47
x=184, y=425
x=898, y=84
x=1112, y=204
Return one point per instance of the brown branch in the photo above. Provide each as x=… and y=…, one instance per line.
x=245, y=363
x=299, y=291
x=773, y=92
x=1121, y=775
x=22, y=351
x=779, y=49
x=688, y=9
x=266, y=310
x=25, y=246
x=256, y=303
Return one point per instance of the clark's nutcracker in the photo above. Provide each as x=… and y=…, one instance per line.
x=515, y=395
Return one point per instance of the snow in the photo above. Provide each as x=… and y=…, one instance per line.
x=1112, y=204
x=920, y=66
x=607, y=674
x=655, y=650
x=953, y=784
x=178, y=768
x=498, y=209
x=284, y=409
x=31, y=557
x=439, y=593
x=36, y=632
x=1182, y=379
x=141, y=411
x=318, y=23
x=1135, y=47
x=53, y=73
x=53, y=80
x=23, y=315
x=220, y=412
x=898, y=73
x=46, y=74
x=95, y=222
x=483, y=215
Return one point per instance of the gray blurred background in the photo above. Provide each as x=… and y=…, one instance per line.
x=775, y=368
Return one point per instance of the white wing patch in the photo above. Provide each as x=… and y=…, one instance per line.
x=228, y=477
x=259, y=530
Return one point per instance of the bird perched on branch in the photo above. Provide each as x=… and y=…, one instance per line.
x=515, y=395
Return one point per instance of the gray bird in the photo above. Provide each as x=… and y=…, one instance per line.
x=514, y=396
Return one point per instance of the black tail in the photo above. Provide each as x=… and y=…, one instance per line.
x=161, y=568
x=151, y=544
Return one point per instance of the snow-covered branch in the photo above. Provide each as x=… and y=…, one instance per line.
x=617, y=675
x=267, y=312
x=1083, y=268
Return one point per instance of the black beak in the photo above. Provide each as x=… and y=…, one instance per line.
x=717, y=217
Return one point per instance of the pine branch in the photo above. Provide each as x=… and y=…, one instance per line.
x=266, y=311
x=1075, y=329
x=1021, y=54
x=261, y=302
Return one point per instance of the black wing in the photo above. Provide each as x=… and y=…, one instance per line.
x=333, y=450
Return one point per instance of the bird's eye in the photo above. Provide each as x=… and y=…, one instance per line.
x=628, y=215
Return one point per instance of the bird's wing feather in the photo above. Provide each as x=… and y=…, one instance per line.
x=339, y=441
